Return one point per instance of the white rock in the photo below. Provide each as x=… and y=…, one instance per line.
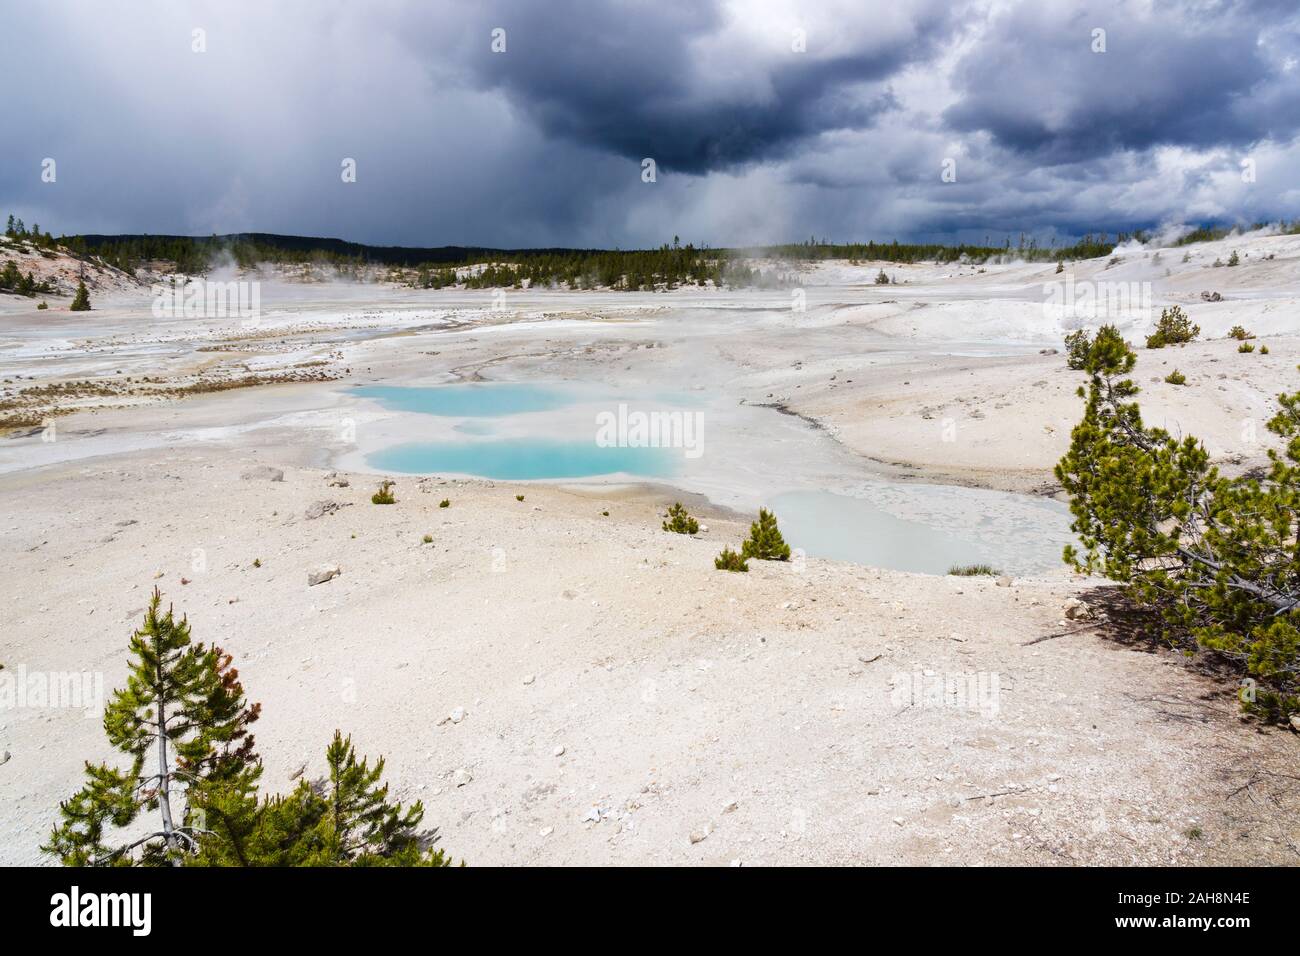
x=1076, y=610
x=318, y=509
x=457, y=715
x=323, y=573
x=546, y=831
x=592, y=815
x=898, y=821
x=700, y=835
x=529, y=678
x=558, y=751
x=461, y=777
x=262, y=473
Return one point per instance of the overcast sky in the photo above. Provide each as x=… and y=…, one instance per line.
x=767, y=120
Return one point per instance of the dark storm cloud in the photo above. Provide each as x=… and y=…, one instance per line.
x=1188, y=74
x=638, y=79
x=542, y=144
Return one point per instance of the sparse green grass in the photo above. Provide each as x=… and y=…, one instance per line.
x=1176, y=378
x=679, y=520
x=1174, y=328
x=384, y=496
x=1194, y=833
x=730, y=560
x=974, y=570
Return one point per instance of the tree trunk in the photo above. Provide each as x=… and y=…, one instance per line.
x=164, y=783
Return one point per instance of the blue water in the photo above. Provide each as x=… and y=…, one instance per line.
x=513, y=459
x=925, y=528
x=521, y=459
x=486, y=400
x=1014, y=533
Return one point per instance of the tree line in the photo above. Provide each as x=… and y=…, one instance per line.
x=669, y=265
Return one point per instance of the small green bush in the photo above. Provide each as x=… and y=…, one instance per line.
x=1176, y=378
x=519, y=497
x=974, y=570
x=43, y=306
x=384, y=496
x=679, y=521
x=881, y=278
x=427, y=539
x=1234, y=259
x=1245, y=347
x=1263, y=350
x=80, y=301
x=729, y=560
x=1174, y=328
x=444, y=503
x=1239, y=333
x=1077, y=345
x=765, y=541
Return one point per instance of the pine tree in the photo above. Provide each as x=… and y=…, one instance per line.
x=362, y=825
x=344, y=819
x=80, y=301
x=679, y=521
x=1215, y=557
x=765, y=541
x=10, y=277
x=1077, y=344
x=183, y=709
x=1174, y=328
x=729, y=560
